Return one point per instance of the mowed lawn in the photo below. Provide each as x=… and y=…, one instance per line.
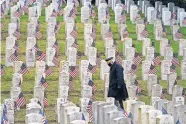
x=75, y=94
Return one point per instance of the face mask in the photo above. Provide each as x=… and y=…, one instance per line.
x=109, y=64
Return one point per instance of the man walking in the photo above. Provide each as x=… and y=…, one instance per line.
x=117, y=87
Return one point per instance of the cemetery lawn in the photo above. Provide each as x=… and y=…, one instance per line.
x=75, y=94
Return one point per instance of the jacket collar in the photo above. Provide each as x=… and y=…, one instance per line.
x=113, y=65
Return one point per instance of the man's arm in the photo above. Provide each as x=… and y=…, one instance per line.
x=119, y=74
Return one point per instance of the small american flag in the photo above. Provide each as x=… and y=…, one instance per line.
x=75, y=12
x=56, y=46
x=115, y=44
x=55, y=60
x=158, y=14
x=41, y=56
x=75, y=45
x=72, y=14
x=60, y=10
x=14, y=56
x=139, y=89
x=73, y=71
x=26, y=3
x=45, y=101
x=137, y=59
x=38, y=24
x=93, y=13
x=118, y=59
x=30, y=2
x=43, y=82
x=48, y=70
x=98, y=60
x=164, y=34
x=57, y=27
x=11, y=3
x=152, y=70
x=94, y=27
x=76, y=3
x=89, y=110
x=74, y=33
x=93, y=34
x=169, y=44
x=125, y=114
x=43, y=116
x=91, y=68
x=184, y=21
x=164, y=111
x=174, y=15
x=145, y=33
x=173, y=68
x=92, y=84
x=139, y=8
x=125, y=33
x=25, y=8
x=17, y=33
x=138, y=15
x=2, y=70
x=107, y=14
x=38, y=34
x=162, y=95
x=5, y=109
x=16, y=46
x=109, y=34
x=122, y=17
x=4, y=119
x=124, y=7
x=54, y=13
x=24, y=69
x=156, y=60
x=133, y=69
x=20, y=101
x=175, y=60
x=36, y=48
x=18, y=13
x=178, y=34
x=2, y=13
x=137, y=94
x=130, y=116
x=83, y=117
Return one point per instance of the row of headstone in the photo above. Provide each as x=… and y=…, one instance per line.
x=137, y=112
x=170, y=15
x=17, y=99
x=108, y=113
x=141, y=113
x=150, y=12
x=64, y=84
x=70, y=114
x=67, y=112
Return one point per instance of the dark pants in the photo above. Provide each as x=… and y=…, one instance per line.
x=119, y=103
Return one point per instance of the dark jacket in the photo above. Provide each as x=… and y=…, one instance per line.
x=115, y=79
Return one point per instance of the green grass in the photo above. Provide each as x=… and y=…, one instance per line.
x=52, y=91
